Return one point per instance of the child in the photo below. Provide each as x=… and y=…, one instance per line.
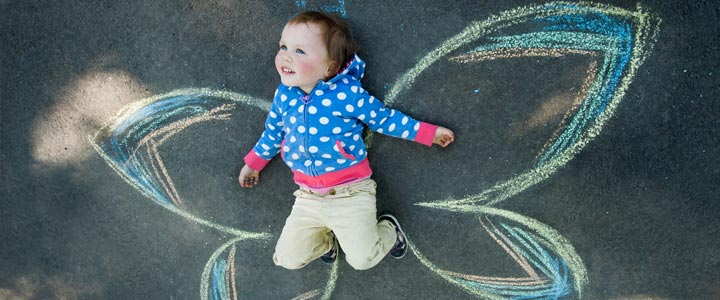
x=316, y=123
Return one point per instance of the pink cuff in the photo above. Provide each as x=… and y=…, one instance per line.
x=255, y=162
x=426, y=134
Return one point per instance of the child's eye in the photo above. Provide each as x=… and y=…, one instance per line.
x=299, y=51
x=283, y=47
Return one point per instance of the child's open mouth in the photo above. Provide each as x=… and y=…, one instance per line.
x=287, y=71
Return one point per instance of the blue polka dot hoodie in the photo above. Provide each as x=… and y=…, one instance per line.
x=319, y=135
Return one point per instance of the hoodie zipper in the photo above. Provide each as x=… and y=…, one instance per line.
x=306, y=135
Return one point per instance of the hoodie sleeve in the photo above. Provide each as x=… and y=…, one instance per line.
x=388, y=121
x=271, y=139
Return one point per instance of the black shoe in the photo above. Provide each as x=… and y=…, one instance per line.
x=400, y=248
x=330, y=256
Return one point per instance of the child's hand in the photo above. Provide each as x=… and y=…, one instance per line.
x=443, y=136
x=248, y=177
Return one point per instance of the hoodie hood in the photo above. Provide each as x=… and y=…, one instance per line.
x=354, y=69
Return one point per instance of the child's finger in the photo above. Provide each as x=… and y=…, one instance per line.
x=447, y=140
x=249, y=181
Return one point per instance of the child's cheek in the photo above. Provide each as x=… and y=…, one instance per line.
x=305, y=69
x=278, y=61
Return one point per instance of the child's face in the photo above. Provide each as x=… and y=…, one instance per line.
x=302, y=59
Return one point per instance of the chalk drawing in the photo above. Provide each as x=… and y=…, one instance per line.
x=617, y=40
x=129, y=144
x=623, y=39
x=339, y=8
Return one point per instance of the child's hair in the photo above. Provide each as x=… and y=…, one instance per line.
x=341, y=46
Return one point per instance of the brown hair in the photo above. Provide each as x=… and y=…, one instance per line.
x=339, y=42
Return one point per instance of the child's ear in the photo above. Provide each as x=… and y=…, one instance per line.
x=332, y=69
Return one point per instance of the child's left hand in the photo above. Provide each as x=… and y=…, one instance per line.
x=443, y=136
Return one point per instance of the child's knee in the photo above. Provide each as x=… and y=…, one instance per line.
x=361, y=266
x=361, y=263
x=288, y=262
x=363, y=255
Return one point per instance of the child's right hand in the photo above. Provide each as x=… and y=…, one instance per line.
x=248, y=177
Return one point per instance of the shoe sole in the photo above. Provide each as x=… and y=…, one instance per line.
x=399, y=228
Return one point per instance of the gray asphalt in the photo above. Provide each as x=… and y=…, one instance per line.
x=638, y=205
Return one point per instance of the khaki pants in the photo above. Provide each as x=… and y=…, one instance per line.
x=350, y=213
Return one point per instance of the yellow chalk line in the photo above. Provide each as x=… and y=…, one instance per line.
x=517, y=53
x=161, y=173
x=308, y=295
x=330, y=286
x=525, y=281
x=230, y=272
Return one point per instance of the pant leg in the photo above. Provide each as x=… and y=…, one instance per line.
x=353, y=219
x=305, y=236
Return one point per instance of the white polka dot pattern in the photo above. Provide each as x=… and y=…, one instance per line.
x=322, y=132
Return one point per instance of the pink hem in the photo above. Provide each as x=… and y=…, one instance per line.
x=361, y=170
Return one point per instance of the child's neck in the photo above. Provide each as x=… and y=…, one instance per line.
x=307, y=93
